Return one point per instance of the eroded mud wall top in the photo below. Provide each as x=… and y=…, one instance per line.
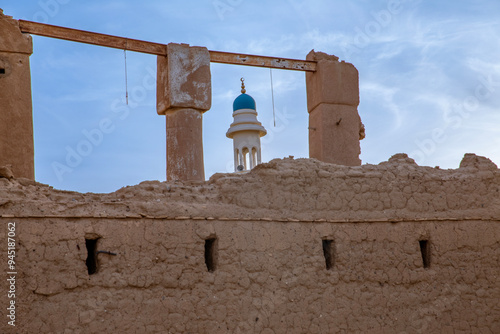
x=303, y=189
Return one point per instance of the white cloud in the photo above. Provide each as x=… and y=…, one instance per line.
x=384, y=97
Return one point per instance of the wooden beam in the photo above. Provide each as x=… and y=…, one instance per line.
x=262, y=61
x=123, y=43
x=88, y=37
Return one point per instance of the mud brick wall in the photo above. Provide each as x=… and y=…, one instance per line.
x=295, y=246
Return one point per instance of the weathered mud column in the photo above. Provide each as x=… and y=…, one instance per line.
x=184, y=93
x=335, y=127
x=16, y=119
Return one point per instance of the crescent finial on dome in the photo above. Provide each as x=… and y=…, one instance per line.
x=243, y=90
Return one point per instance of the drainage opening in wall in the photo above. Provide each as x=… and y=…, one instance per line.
x=329, y=253
x=91, y=262
x=2, y=70
x=426, y=252
x=211, y=254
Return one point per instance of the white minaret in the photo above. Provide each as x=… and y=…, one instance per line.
x=245, y=131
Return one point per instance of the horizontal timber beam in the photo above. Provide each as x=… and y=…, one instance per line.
x=123, y=43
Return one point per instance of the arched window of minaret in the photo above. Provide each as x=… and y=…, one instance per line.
x=254, y=157
x=246, y=158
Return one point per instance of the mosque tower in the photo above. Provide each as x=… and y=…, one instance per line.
x=245, y=131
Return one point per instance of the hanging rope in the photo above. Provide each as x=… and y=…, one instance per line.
x=126, y=78
x=272, y=95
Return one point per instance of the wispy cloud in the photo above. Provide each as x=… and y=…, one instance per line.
x=414, y=72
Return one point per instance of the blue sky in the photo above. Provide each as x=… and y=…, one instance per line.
x=429, y=80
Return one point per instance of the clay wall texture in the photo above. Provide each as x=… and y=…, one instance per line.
x=16, y=120
x=335, y=127
x=184, y=93
x=272, y=227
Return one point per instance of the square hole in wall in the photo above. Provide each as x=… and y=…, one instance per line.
x=91, y=262
x=329, y=252
x=425, y=251
x=2, y=70
x=211, y=253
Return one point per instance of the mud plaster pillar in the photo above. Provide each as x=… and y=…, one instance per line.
x=335, y=127
x=184, y=93
x=16, y=120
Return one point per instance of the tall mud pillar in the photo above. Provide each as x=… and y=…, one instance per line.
x=16, y=115
x=335, y=127
x=184, y=93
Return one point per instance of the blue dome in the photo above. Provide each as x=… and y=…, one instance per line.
x=244, y=101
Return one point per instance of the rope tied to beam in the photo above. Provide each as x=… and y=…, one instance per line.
x=272, y=95
x=126, y=76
